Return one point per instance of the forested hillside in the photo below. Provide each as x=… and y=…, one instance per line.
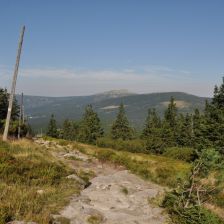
x=39, y=109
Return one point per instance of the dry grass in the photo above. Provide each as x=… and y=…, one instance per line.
x=33, y=183
x=95, y=219
x=217, y=210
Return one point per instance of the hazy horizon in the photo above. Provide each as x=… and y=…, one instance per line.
x=99, y=93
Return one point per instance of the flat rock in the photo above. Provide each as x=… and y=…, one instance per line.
x=114, y=196
x=105, y=197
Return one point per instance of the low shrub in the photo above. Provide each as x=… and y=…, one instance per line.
x=105, y=155
x=135, y=145
x=122, y=159
x=95, y=219
x=155, y=168
x=191, y=215
x=181, y=153
x=185, y=202
x=124, y=190
x=166, y=175
x=155, y=145
x=63, y=142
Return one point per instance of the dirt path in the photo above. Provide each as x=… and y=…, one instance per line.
x=115, y=196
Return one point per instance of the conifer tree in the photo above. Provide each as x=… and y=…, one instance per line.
x=185, y=130
x=90, y=128
x=171, y=113
x=120, y=128
x=69, y=130
x=218, y=98
x=214, y=127
x=3, y=104
x=52, y=128
x=168, y=135
x=169, y=130
x=214, y=119
x=66, y=129
x=4, y=96
x=4, y=100
x=151, y=124
x=199, y=130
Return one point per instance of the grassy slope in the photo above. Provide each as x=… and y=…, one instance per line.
x=32, y=183
x=162, y=170
x=26, y=168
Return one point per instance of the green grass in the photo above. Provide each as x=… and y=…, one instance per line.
x=33, y=183
x=162, y=170
x=135, y=145
x=219, y=197
x=181, y=153
x=95, y=219
x=86, y=175
x=124, y=190
x=73, y=158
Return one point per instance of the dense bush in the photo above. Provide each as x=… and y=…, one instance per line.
x=182, y=153
x=191, y=215
x=141, y=146
x=135, y=145
x=155, y=145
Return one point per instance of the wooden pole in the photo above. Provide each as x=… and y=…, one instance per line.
x=6, y=130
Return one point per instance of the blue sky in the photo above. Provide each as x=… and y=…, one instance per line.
x=81, y=47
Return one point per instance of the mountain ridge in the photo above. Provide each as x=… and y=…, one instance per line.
x=111, y=91
x=39, y=108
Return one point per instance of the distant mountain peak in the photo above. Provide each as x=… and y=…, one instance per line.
x=112, y=94
x=117, y=92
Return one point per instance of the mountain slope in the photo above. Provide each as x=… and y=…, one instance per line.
x=39, y=109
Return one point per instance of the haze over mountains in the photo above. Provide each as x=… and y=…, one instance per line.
x=40, y=108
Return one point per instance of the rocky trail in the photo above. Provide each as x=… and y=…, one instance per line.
x=114, y=195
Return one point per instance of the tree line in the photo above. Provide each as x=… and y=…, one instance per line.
x=14, y=123
x=197, y=130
